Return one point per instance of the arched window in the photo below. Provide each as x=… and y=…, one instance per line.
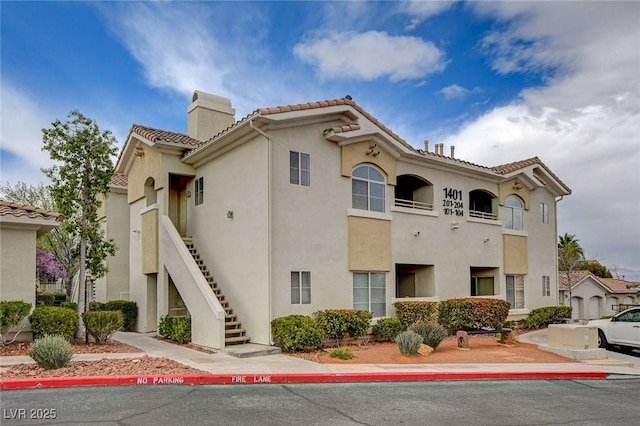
x=367, y=186
x=513, y=213
x=150, y=191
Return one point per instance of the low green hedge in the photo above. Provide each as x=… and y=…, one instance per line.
x=129, y=311
x=175, y=328
x=11, y=313
x=53, y=320
x=410, y=313
x=297, y=332
x=387, y=329
x=339, y=324
x=541, y=317
x=470, y=313
x=102, y=324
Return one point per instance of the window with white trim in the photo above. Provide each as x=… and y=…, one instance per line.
x=546, y=285
x=482, y=286
x=199, y=192
x=544, y=212
x=513, y=213
x=300, y=287
x=299, y=168
x=367, y=186
x=515, y=291
x=369, y=292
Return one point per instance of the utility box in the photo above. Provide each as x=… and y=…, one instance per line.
x=573, y=336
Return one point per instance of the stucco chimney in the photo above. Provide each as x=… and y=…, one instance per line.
x=208, y=115
x=426, y=145
x=453, y=151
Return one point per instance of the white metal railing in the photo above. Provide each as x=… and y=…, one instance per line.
x=411, y=204
x=483, y=215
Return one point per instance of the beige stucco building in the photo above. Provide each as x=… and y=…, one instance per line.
x=20, y=227
x=313, y=206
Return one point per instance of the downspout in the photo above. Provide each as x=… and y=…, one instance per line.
x=269, y=215
x=555, y=221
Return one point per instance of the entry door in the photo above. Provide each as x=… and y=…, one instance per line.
x=178, y=193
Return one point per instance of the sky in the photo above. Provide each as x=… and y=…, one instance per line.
x=502, y=81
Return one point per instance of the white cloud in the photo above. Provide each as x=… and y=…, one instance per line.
x=420, y=10
x=583, y=122
x=453, y=91
x=370, y=55
x=21, y=136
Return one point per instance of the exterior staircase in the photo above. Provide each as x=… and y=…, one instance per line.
x=234, y=334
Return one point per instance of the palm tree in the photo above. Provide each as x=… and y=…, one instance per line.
x=566, y=241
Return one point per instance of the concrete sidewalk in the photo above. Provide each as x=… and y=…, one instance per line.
x=226, y=368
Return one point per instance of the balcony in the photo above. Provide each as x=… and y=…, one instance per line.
x=411, y=204
x=483, y=215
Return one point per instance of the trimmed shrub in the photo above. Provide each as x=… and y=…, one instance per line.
x=102, y=324
x=95, y=306
x=53, y=320
x=432, y=334
x=471, y=313
x=412, y=312
x=129, y=311
x=70, y=305
x=542, y=317
x=46, y=299
x=12, y=313
x=51, y=351
x=296, y=332
x=339, y=324
x=387, y=329
x=345, y=352
x=58, y=298
x=175, y=328
x=409, y=342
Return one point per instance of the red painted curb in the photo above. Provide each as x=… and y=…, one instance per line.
x=176, y=379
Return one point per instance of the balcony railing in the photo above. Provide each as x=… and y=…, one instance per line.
x=483, y=215
x=410, y=204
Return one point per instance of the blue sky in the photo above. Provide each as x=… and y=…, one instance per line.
x=502, y=81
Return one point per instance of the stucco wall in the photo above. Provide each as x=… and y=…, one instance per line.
x=18, y=264
x=236, y=249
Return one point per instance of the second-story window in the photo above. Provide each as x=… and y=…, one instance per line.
x=299, y=168
x=367, y=186
x=513, y=213
x=199, y=196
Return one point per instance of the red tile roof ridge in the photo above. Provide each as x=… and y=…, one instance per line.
x=517, y=165
x=17, y=210
x=157, y=135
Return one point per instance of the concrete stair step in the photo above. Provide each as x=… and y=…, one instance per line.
x=236, y=340
x=234, y=331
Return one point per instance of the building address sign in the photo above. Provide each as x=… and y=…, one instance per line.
x=452, y=202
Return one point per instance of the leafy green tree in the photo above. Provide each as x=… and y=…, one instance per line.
x=83, y=155
x=63, y=245
x=597, y=269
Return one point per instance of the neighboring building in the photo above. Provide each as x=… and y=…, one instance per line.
x=313, y=206
x=113, y=214
x=592, y=297
x=20, y=227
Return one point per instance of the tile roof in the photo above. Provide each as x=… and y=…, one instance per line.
x=157, y=135
x=17, y=210
x=504, y=169
x=620, y=285
x=119, y=179
x=613, y=284
x=576, y=277
x=341, y=129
